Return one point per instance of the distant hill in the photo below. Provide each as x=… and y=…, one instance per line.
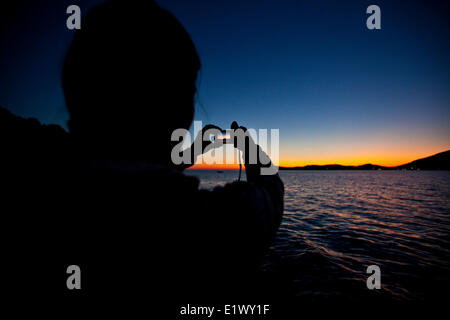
x=440, y=161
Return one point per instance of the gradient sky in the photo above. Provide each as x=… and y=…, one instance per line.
x=338, y=92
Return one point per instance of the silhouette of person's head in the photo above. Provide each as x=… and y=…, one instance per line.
x=129, y=80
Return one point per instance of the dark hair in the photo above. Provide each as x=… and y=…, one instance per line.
x=129, y=76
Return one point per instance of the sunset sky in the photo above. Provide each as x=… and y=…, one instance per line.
x=337, y=92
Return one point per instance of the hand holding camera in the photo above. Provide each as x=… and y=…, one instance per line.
x=212, y=136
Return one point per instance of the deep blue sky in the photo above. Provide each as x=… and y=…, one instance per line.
x=337, y=91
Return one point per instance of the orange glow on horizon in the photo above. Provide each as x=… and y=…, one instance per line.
x=382, y=154
x=205, y=166
x=388, y=161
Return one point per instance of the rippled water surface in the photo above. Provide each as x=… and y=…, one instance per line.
x=337, y=223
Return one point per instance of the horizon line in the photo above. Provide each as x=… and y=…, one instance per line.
x=204, y=166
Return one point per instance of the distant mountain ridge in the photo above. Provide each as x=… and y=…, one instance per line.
x=439, y=161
